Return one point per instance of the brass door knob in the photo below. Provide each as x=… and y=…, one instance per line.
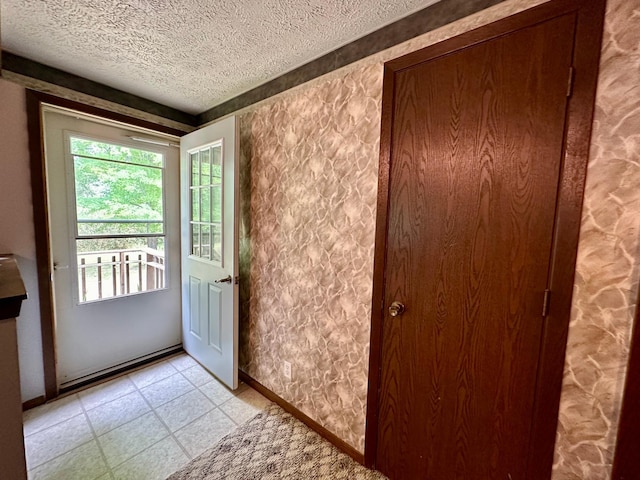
x=396, y=308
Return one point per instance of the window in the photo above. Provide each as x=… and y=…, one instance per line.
x=206, y=203
x=119, y=222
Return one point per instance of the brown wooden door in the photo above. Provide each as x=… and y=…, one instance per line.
x=476, y=152
x=626, y=464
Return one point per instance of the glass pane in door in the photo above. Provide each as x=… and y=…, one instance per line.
x=206, y=192
x=120, y=226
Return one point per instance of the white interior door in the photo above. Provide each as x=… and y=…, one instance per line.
x=209, y=248
x=115, y=235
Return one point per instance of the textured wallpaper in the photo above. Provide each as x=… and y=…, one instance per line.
x=608, y=264
x=314, y=160
x=310, y=158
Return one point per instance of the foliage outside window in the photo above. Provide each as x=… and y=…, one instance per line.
x=120, y=229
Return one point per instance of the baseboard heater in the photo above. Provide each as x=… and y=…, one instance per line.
x=119, y=368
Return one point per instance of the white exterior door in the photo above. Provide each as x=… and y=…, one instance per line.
x=209, y=248
x=115, y=243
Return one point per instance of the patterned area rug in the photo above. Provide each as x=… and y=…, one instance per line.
x=274, y=445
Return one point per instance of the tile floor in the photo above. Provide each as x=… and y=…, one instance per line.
x=144, y=425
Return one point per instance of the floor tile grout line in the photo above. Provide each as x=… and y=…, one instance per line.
x=107, y=401
x=141, y=452
x=82, y=405
x=136, y=388
x=110, y=400
x=215, y=405
x=126, y=373
x=191, y=365
x=164, y=403
x=164, y=424
x=236, y=396
x=128, y=421
x=144, y=449
x=226, y=414
x=95, y=438
x=218, y=405
x=53, y=424
x=155, y=381
x=152, y=410
x=60, y=455
x=67, y=451
x=128, y=377
x=236, y=424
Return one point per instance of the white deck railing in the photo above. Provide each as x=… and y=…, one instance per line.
x=115, y=273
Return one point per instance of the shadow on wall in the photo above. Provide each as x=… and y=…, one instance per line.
x=244, y=242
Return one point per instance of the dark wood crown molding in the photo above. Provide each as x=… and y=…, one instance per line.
x=29, y=68
x=423, y=21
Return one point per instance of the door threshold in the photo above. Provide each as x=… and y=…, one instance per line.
x=116, y=370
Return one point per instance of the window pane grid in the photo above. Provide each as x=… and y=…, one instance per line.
x=206, y=203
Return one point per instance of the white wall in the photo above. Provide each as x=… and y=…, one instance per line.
x=17, y=231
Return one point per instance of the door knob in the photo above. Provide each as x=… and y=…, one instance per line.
x=396, y=308
x=227, y=279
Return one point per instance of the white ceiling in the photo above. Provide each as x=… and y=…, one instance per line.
x=188, y=54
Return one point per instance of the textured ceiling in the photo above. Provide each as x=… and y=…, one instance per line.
x=188, y=54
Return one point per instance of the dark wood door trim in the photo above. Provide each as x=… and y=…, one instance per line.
x=43, y=253
x=41, y=217
x=586, y=59
x=589, y=23
x=626, y=464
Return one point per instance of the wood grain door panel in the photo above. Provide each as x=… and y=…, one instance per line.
x=476, y=155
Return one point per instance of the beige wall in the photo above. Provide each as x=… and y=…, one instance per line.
x=309, y=175
x=16, y=230
x=310, y=158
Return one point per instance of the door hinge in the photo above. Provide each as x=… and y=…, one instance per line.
x=545, y=303
x=570, y=81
